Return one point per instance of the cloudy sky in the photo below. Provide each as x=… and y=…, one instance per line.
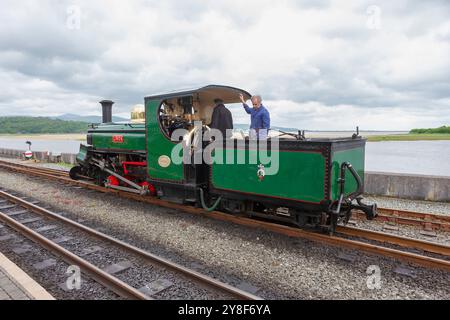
x=318, y=64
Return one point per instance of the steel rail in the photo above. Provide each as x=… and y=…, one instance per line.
x=428, y=246
x=102, y=277
x=427, y=221
x=42, y=169
x=396, y=213
x=285, y=230
x=196, y=276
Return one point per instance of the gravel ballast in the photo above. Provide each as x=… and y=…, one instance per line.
x=279, y=266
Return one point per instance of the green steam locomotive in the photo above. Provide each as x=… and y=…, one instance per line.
x=288, y=178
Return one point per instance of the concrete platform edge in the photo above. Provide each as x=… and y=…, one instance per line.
x=28, y=284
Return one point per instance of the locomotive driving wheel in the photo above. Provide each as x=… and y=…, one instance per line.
x=75, y=172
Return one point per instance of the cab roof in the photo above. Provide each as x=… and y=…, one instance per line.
x=205, y=94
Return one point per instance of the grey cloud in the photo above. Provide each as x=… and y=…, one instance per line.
x=125, y=51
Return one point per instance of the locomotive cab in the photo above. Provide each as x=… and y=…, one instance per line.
x=167, y=113
x=181, y=112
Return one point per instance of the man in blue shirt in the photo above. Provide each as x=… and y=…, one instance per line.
x=260, y=118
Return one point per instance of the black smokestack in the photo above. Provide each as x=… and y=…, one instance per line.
x=107, y=110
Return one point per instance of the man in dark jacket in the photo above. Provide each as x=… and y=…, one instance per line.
x=222, y=119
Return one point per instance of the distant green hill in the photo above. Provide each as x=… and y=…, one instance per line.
x=443, y=129
x=88, y=119
x=19, y=125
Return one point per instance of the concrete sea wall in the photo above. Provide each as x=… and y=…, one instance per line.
x=40, y=155
x=408, y=186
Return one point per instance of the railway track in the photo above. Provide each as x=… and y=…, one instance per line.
x=374, y=242
x=427, y=221
x=20, y=207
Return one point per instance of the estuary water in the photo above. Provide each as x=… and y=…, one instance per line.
x=419, y=157
x=414, y=157
x=55, y=146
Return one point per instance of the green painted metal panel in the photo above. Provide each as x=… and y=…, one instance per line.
x=130, y=137
x=129, y=141
x=159, y=145
x=300, y=177
x=356, y=158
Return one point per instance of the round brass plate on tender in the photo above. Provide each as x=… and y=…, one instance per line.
x=164, y=161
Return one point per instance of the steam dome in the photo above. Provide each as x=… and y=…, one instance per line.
x=138, y=114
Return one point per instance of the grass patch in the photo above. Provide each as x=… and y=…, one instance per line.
x=409, y=137
x=65, y=165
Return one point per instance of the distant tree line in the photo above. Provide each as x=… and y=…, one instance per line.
x=443, y=129
x=18, y=125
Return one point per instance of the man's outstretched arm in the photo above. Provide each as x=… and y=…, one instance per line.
x=246, y=107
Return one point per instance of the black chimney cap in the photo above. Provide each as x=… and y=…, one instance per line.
x=107, y=101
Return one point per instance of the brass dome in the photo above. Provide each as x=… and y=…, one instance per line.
x=138, y=114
